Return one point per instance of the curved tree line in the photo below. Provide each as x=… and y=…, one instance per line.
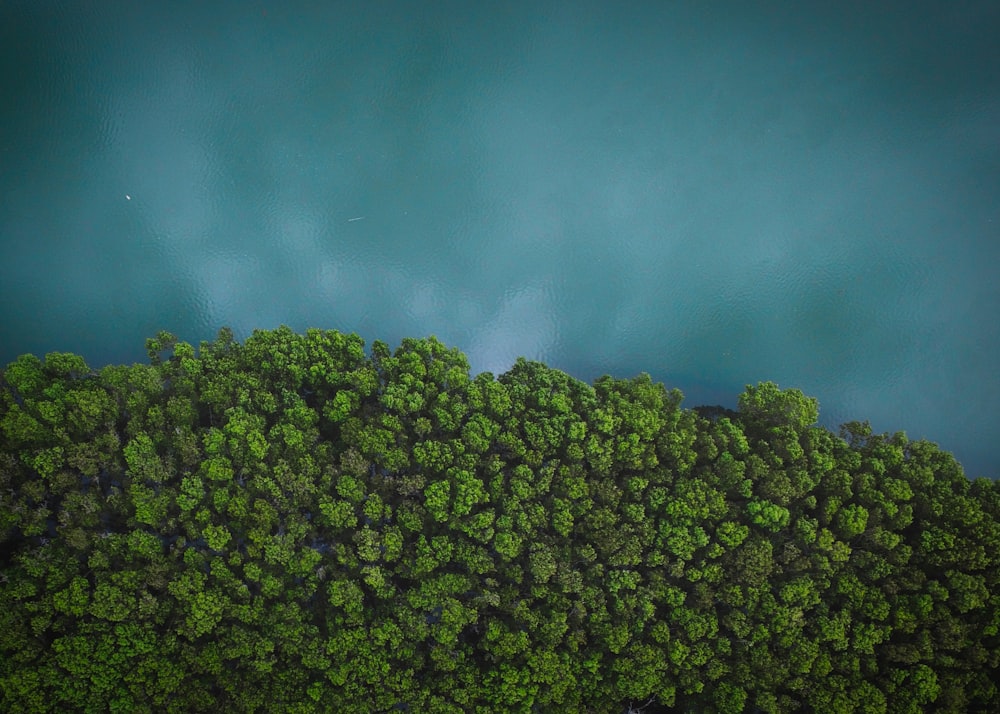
x=291, y=524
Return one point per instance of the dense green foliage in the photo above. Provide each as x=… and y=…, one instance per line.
x=291, y=525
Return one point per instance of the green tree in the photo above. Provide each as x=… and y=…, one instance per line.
x=290, y=524
x=767, y=407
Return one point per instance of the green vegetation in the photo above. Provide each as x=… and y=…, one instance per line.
x=291, y=525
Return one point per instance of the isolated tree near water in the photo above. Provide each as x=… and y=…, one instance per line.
x=766, y=407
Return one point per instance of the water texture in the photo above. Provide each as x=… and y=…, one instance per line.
x=715, y=193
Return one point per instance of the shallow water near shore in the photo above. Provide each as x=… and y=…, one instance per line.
x=714, y=196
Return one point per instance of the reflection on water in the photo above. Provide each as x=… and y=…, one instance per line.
x=801, y=195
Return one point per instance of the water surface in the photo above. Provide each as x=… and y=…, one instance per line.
x=714, y=193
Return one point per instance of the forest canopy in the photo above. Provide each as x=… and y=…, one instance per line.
x=294, y=524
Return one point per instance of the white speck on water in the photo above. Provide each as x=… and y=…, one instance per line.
x=128, y=197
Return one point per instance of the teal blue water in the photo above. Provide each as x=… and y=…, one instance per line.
x=714, y=193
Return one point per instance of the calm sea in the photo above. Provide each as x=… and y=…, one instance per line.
x=715, y=193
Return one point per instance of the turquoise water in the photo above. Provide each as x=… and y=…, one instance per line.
x=712, y=193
